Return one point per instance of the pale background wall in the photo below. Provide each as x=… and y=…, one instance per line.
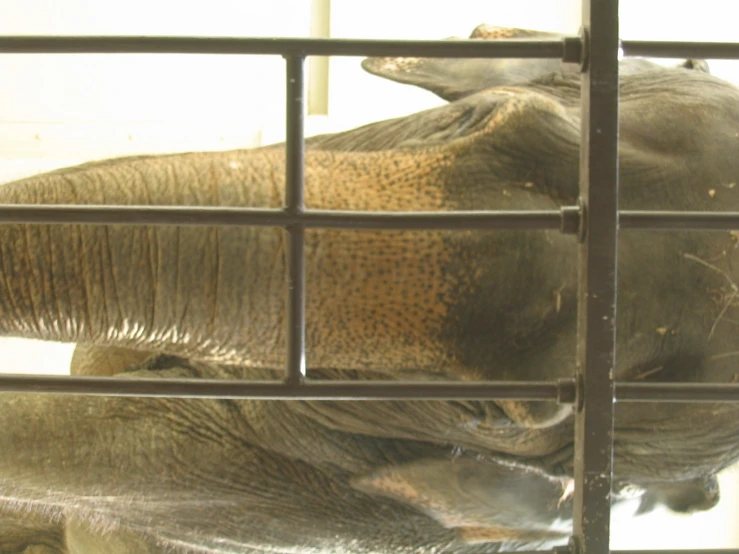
x=59, y=110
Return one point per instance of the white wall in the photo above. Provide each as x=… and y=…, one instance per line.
x=52, y=105
x=58, y=110
x=357, y=97
x=706, y=20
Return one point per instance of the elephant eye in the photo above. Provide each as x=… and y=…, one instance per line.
x=629, y=491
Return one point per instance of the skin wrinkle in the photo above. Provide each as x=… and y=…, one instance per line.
x=673, y=425
x=64, y=293
x=216, y=279
x=278, y=261
x=197, y=183
x=6, y=286
x=55, y=262
x=45, y=293
x=120, y=189
x=391, y=419
x=89, y=303
x=155, y=263
x=9, y=270
x=180, y=312
x=15, y=537
x=216, y=232
x=79, y=260
x=101, y=269
x=116, y=295
x=33, y=294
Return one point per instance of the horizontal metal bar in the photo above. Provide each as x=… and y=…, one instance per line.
x=205, y=215
x=677, y=392
x=675, y=49
x=348, y=47
x=564, y=390
x=566, y=218
x=697, y=221
x=283, y=46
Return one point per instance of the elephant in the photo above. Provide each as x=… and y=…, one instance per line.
x=84, y=474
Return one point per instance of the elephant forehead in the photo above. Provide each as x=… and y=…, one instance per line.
x=384, y=293
x=380, y=299
x=378, y=181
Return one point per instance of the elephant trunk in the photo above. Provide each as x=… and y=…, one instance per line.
x=157, y=287
x=219, y=293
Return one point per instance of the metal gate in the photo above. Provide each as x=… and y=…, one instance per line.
x=596, y=219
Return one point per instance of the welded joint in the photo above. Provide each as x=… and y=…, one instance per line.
x=584, y=58
x=573, y=545
x=570, y=223
x=573, y=219
x=572, y=50
x=564, y=549
x=567, y=390
x=298, y=53
x=582, y=231
x=579, y=400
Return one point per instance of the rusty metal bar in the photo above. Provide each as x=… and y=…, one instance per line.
x=670, y=49
x=597, y=292
x=295, y=206
x=286, y=46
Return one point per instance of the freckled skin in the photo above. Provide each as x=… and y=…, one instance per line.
x=389, y=287
x=160, y=475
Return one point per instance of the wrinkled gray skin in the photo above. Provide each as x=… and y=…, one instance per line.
x=88, y=475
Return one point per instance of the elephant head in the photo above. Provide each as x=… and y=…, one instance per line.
x=148, y=475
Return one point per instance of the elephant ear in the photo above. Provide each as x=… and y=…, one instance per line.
x=454, y=78
x=484, y=500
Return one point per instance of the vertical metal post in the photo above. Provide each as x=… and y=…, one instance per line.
x=598, y=257
x=295, y=205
